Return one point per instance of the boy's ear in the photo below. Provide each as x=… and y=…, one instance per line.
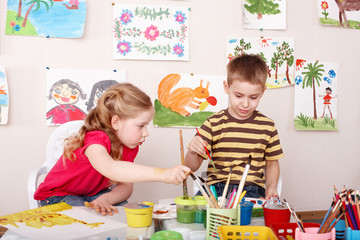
x=226, y=87
x=115, y=122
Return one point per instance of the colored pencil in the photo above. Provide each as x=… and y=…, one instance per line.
x=342, y=196
x=327, y=214
x=231, y=199
x=334, y=223
x=185, y=190
x=202, y=190
x=357, y=204
x=207, y=152
x=242, y=182
x=334, y=213
x=211, y=192
x=226, y=188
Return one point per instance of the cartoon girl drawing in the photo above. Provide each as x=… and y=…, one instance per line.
x=66, y=93
x=327, y=102
x=97, y=90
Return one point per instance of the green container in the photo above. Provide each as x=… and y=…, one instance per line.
x=218, y=217
x=166, y=235
x=200, y=212
x=185, y=210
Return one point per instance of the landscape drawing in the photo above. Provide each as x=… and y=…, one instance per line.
x=4, y=97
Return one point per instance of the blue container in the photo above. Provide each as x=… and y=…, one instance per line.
x=340, y=228
x=246, y=211
x=352, y=234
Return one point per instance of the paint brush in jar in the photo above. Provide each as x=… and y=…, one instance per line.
x=185, y=190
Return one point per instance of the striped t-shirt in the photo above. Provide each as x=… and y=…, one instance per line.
x=231, y=141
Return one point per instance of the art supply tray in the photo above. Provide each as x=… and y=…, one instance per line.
x=246, y=233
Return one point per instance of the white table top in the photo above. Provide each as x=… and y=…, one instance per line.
x=120, y=234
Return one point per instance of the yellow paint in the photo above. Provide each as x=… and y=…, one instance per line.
x=47, y=216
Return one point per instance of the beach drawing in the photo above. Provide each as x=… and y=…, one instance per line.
x=150, y=32
x=4, y=97
x=316, y=95
x=187, y=100
x=278, y=53
x=342, y=13
x=46, y=18
x=72, y=93
x=264, y=14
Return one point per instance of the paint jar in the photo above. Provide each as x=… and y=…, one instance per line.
x=276, y=215
x=185, y=210
x=166, y=235
x=139, y=215
x=200, y=211
x=246, y=212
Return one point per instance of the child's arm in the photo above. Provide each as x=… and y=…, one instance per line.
x=272, y=171
x=104, y=203
x=196, y=148
x=122, y=171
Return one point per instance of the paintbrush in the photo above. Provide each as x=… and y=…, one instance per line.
x=202, y=190
x=212, y=197
x=207, y=152
x=225, y=189
x=293, y=213
x=242, y=182
x=185, y=191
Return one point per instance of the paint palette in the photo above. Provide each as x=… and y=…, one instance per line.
x=164, y=211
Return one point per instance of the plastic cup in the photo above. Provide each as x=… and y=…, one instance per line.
x=139, y=215
x=166, y=235
x=276, y=215
x=246, y=212
x=185, y=210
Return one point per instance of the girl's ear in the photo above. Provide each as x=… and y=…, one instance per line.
x=115, y=122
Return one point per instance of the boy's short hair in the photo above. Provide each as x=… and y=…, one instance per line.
x=247, y=67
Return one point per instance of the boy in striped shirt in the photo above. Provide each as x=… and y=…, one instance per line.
x=233, y=134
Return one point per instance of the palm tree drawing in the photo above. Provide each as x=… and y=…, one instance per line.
x=312, y=75
x=38, y=5
x=18, y=17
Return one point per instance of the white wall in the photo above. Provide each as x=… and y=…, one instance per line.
x=313, y=162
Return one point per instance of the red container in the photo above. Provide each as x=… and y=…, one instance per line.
x=276, y=216
x=288, y=229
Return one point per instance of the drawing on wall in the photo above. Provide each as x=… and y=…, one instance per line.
x=57, y=221
x=343, y=13
x=188, y=100
x=316, y=95
x=71, y=94
x=278, y=53
x=46, y=18
x=4, y=97
x=264, y=14
x=150, y=32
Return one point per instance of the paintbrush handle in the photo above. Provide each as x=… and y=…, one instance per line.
x=241, y=185
x=212, y=197
x=204, y=194
x=225, y=190
x=185, y=191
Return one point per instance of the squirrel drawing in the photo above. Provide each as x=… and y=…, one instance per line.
x=178, y=99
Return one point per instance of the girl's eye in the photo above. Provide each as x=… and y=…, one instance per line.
x=74, y=92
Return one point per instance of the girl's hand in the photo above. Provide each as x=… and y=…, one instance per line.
x=197, y=145
x=175, y=175
x=271, y=192
x=102, y=205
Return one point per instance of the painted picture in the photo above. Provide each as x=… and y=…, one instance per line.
x=278, y=53
x=71, y=94
x=316, y=95
x=264, y=14
x=4, y=97
x=187, y=100
x=343, y=13
x=150, y=32
x=46, y=18
x=58, y=221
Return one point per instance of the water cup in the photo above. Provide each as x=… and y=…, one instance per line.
x=276, y=215
x=139, y=215
x=185, y=210
x=246, y=212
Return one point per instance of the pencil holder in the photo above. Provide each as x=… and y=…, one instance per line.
x=340, y=228
x=218, y=217
x=352, y=234
x=311, y=234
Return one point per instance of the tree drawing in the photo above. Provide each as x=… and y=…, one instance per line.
x=261, y=7
x=18, y=16
x=276, y=62
x=262, y=55
x=239, y=49
x=38, y=5
x=312, y=75
x=286, y=54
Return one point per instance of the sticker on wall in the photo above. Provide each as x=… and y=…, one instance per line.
x=278, y=53
x=71, y=94
x=4, y=97
x=59, y=221
x=343, y=13
x=316, y=95
x=47, y=18
x=264, y=14
x=150, y=32
x=187, y=100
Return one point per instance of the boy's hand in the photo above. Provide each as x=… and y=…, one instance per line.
x=101, y=205
x=175, y=175
x=197, y=145
x=271, y=192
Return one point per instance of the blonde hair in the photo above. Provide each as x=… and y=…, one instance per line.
x=247, y=67
x=123, y=100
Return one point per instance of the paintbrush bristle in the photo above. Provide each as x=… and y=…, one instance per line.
x=193, y=176
x=249, y=161
x=203, y=180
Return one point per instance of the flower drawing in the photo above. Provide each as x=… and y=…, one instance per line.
x=17, y=27
x=324, y=6
x=12, y=25
x=178, y=50
x=151, y=33
x=180, y=17
x=126, y=16
x=124, y=47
